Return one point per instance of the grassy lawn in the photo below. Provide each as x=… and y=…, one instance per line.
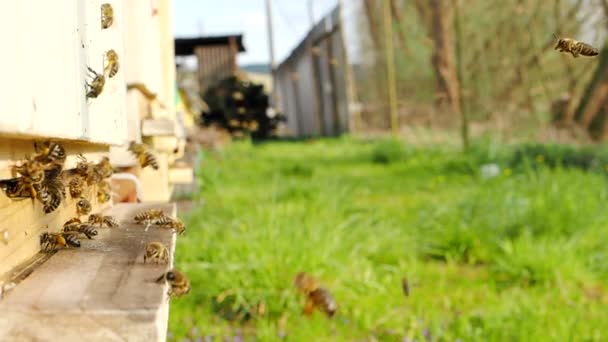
x=519, y=257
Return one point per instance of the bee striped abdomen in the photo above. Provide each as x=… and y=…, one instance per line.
x=146, y=159
x=324, y=300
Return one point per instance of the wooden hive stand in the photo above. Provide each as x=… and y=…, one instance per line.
x=101, y=291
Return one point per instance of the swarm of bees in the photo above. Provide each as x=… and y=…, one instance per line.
x=575, y=47
x=179, y=285
x=156, y=252
x=157, y=217
x=143, y=155
x=38, y=177
x=316, y=296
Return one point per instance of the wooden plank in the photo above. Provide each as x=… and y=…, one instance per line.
x=101, y=291
x=181, y=175
x=158, y=127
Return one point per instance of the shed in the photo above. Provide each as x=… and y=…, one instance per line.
x=216, y=56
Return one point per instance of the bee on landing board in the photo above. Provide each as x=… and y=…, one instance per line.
x=575, y=47
x=52, y=241
x=147, y=216
x=156, y=252
x=171, y=223
x=101, y=220
x=316, y=296
x=179, y=285
x=76, y=226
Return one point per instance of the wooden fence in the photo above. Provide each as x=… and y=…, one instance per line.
x=311, y=82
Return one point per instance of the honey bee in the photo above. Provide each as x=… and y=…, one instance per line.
x=51, y=194
x=157, y=252
x=104, y=168
x=317, y=296
x=83, y=228
x=143, y=155
x=87, y=170
x=171, y=223
x=107, y=16
x=109, y=221
x=147, y=216
x=112, y=66
x=76, y=186
x=96, y=86
x=50, y=153
x=83, y=206
x=31, y=174
x=50, y=241
x=179, y=284
x=575, y=47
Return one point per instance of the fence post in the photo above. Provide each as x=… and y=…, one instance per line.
x=390, y=67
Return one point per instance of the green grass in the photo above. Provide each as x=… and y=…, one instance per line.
x=518, y=257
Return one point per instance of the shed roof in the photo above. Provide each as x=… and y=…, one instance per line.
x=185, y=46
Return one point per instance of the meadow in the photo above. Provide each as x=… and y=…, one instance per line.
x=517, y=256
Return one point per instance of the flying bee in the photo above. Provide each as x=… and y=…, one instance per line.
x=112, y=67
x=109, y=221
x=143, y=155
x=76, y=186
x=317, y=296
x=83, y=228
x=104, y=168
x=575, y=47
x=179, y=284
x=83, y=206
x=157, y=252
x=104, y=193
x=107, y=16
x=96, y=86
x=31, y=174
x=87, y=170
x=171, y=223
x=50, y=241
x=147, y=216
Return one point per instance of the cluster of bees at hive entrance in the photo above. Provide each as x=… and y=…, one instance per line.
x=43, y=178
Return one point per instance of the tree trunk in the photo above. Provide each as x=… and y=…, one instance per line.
x=443, y=56
x=370, y=14
x=591, y=113
x=397, y=18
